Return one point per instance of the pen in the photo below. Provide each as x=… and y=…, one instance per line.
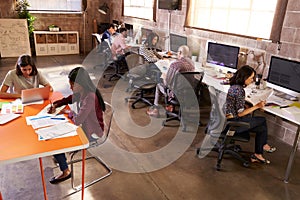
x=58, y=118
x=284, y=106
x=39, y=117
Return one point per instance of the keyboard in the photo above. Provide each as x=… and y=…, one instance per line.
x=4, y=118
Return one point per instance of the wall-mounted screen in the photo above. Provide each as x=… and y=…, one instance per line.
x=169, y=4
x=222, y=55
x=284, y=75
x=176, y=41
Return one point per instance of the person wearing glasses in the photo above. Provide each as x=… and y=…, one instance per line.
x=182, y=64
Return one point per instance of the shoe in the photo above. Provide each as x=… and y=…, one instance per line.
x=54, y=180
x=169, y=108
x=271, y=150
x=153, y=112
x=256, y=159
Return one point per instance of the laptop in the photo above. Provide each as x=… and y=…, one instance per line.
x=35, y=94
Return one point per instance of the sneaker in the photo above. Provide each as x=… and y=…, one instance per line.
x=153, y=112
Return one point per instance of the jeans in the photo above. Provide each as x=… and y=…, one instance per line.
x=62, y=161
x=258, y=125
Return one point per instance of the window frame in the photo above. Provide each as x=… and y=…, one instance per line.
x=59, y=10
x=154, y=9
x=276, y=27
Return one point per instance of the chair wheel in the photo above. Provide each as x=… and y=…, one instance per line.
x=237, y=148
x=218, y=167
x=246, y=164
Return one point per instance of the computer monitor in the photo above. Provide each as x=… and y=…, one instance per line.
x=223, y=57
x=176, y=41
x=284, y=76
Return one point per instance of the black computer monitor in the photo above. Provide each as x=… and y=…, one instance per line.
x=223, y=56
x=176, y=41
x=284, y=76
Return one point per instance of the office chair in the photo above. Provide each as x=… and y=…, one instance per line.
x=184, y=84
x=108, y=116
x=220, y=133
x=139, y=80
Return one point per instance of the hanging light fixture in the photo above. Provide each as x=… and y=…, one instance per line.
x=103, y=9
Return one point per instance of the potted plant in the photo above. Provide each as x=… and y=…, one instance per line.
x=194, y=56
x=23, y=13
x=53, y=28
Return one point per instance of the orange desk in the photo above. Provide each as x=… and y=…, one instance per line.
x=19, y=142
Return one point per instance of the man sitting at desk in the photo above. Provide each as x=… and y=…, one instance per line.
x=182, y=64
x=119, y=48
x=149, y=49
x=107, y=35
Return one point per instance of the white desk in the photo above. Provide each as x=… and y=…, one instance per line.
x=217, y=83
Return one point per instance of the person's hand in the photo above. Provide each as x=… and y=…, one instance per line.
x=261, y=104
x=52, y=108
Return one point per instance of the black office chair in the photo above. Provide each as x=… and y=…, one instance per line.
x=220, y=133
x=141, y=82
x=179, y=95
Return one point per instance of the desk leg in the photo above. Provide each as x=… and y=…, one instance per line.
x=82, y=173
x=292, y=156
x=43, y=179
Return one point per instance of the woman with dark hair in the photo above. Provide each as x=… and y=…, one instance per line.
x=25, y=76
x=149, y=48
x=90, y=106
x=235, y=110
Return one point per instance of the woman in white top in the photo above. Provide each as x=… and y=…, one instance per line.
x=25, y=76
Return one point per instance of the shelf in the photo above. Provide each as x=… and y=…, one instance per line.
x=56, y=43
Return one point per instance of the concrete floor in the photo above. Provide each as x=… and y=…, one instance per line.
x=150, y=161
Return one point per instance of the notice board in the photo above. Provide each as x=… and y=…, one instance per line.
x=14, y=38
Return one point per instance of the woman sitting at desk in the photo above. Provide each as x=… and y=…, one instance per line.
x=148, y=50
x=235, y=111
x=90, y=106
x=25, y=76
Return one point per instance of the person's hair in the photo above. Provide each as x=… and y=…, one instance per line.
x=23, y=61
x=111, y=26
x=81, y=76
x=184, y=50
x=149, y=39
x=241, y=75
x=122, y=30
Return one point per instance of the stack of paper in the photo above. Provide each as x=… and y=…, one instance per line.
x=58, y=130
x=49, y=126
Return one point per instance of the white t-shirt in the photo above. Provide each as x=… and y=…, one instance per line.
x=18, y=83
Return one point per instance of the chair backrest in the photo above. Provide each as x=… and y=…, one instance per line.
x=107, y=117
x=183, y=82
x=134, y=60
x=217, y=117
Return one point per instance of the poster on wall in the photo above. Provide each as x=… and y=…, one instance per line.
x=14, y=38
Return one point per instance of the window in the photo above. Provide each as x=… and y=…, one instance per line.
x=253, y=18
x=143, y=9
x=55, y=5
